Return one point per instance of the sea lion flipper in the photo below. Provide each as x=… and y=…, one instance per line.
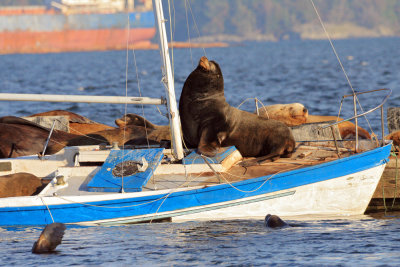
x=260, y=160
x=207, y=146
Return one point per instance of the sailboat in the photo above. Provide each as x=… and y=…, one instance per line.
x=329, y=177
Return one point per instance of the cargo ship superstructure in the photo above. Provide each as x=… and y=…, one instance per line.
x=75, y=25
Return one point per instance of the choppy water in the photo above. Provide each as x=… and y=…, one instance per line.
x=286, y=72
x=354, y=241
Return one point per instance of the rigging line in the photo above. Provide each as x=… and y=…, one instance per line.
x=340, y=62
x=47, y=208
x=251, y=191
x=188, y=32
x=172, y=39
x=195, y=25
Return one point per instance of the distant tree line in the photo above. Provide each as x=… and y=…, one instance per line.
x=267, y=17
x=278, y=17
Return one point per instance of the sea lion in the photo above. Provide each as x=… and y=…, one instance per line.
x=19, y=184
x=20, y=137
x=291, y=114
x=273, y=222
x=49, y=239
x=347, y=129
x=77, y=124
x=209, y=122
x=395, y=136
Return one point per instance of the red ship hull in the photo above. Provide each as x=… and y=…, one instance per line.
x=74, y=40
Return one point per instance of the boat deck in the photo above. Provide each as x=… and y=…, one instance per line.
x=305, y=155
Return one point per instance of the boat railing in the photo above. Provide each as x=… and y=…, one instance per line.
x=356, y=116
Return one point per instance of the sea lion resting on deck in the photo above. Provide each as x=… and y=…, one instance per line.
x=395, y=136
x=209, y=122
x=347, y=129
x=291, y=114
x=77, y=124
x=20, y=137
x=19, y=184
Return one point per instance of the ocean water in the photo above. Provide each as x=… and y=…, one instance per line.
x=305, y=71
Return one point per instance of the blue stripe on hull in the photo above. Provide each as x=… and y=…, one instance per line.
x=74, y=213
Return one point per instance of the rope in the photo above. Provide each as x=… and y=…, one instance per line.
x=395, y=188
x=188, y=32
x=47, y=209
x=340, y=62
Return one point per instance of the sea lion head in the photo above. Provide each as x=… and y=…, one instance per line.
x=206, y=78
x=291, y=114
x=133, y=119
x=273, y=221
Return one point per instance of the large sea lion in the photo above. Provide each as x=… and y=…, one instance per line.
x=347, y=129
x=209, y=122
x=291, y=114
x=77, y=124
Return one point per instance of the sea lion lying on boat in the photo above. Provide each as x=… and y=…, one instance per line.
x=19, y=184
x=273, y=222
x=50, y=238
x=291, y=114
x=347, y=129
x=209, y=122
x=20, y=137
x=159, y=132
x=77, y=124
x=395, y=136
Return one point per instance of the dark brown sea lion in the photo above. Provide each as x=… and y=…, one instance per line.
x=157, y=132
x=20, y=137
x=19, y=184
x=49, y=239
x=209, y=122
x=273, y=222
x=77, y=124
x=291, y=114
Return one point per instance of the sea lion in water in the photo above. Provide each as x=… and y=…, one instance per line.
x=273, y=221
x=49, y=239
x=291, y=114
x=77, y=124
x=209, y=122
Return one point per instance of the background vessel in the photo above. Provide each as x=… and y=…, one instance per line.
x=75, y=25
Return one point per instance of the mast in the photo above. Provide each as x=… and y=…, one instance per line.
x=168, y=80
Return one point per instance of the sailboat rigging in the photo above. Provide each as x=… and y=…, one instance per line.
x=314, y=180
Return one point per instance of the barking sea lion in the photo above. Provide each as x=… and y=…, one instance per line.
x=209, y=122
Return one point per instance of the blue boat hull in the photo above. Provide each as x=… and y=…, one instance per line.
x=145, y=206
